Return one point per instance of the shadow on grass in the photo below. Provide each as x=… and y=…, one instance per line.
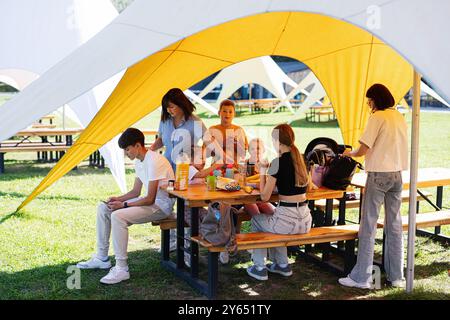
x=43, y=197
x=26, y=169
x=148, y=281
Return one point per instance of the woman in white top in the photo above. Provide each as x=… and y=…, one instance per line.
x=385, y=145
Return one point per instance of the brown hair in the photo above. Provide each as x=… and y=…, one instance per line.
x=177, y=97
x=286, y=136
x=381, y=96
x=227, y=102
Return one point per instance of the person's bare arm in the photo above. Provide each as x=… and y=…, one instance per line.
x=361, y=151
x=158, y=144
x=266, y=185
x=146, y=201
x=134, y=193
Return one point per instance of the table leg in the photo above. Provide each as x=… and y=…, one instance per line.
x=194, y=245
x=2, y=162
x=341, y=220
x=439, y=193
x=180, y=233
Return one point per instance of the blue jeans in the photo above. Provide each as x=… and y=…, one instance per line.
x=381, y=188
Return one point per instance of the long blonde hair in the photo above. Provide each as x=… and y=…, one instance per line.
x=286, y=136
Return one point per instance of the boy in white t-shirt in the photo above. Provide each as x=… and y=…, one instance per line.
x=118, y=213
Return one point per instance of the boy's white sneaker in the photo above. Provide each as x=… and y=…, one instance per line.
x=94, y=263
x=116, y=275
x=349, y=282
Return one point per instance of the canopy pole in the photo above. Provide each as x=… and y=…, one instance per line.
x=415, y=120
x=64, y=117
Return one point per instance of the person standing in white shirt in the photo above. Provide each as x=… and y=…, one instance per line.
x=385, y=145
x=118, y=213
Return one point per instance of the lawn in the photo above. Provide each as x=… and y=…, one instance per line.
x=57, y=230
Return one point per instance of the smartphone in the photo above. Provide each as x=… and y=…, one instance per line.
x=105, y=202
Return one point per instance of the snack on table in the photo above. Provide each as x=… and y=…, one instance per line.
x=227, y=184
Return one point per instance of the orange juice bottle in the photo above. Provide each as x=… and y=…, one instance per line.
x=182, y=172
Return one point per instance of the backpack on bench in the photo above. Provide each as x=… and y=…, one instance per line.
x=218, y=228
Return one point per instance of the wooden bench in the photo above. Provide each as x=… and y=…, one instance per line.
x=352, y=204
x=425, y=220
x=166, y=224
x=258, y=240
x=32, y=147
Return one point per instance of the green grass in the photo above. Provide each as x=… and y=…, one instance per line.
x=57, y=230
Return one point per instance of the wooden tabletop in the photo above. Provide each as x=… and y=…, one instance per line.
x=149, y=132
x=199, y=196
x=48, y=132
x=427, y=177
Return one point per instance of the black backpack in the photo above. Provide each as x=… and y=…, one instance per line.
x=340, y=172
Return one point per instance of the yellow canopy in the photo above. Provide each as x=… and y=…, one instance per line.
x=346, y=59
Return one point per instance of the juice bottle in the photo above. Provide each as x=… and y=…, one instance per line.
x=182, y=172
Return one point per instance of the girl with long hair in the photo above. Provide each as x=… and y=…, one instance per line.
x=289, y=174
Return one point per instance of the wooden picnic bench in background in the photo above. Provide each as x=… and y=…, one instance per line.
x=316, y=113
x=63, y=139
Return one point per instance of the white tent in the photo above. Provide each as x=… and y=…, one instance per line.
x=148, y=27
x=35, y=36
x=317, y=92
x=200, y=101
x=425, y=88
x=262, y=71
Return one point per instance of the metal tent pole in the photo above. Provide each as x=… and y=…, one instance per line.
x=413, y=182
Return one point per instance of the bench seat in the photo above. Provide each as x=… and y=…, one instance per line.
x=259, y=240
x=425, y=220
x=351, y=204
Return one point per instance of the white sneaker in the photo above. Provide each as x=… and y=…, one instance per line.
x=116, y=275
x=398, y=283
x=348, y=282
x=94, y=263
x=224, y=257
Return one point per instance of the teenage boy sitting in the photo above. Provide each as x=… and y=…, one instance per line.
x=118, y=213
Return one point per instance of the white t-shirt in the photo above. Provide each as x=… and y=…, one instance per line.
x=387, y=138
x=156, y=167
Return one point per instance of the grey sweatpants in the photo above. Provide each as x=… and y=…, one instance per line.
x=381, y=188
x=285, y=220
x=119, y=221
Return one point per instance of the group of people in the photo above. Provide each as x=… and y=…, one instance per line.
x=181, y=131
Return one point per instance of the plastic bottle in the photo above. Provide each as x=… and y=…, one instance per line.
x=229, y=173
x=182, y=172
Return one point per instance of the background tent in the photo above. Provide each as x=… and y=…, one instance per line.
x=35, y=36
x=262, y=71
x=313, y=96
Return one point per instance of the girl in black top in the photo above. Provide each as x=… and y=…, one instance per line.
x=288, y=173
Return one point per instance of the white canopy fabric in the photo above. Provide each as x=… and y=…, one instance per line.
x=166, y=22
x=262, y=71
x=425, y=88
x=200, y=101
x=317, y=92
x=35, y=36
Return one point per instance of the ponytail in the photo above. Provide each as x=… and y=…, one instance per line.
x=286, y=136
x=301, y=174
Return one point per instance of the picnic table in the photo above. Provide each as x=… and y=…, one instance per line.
x=315, y=112
x=427, y=178
x=198, y=196
x=43, y=148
